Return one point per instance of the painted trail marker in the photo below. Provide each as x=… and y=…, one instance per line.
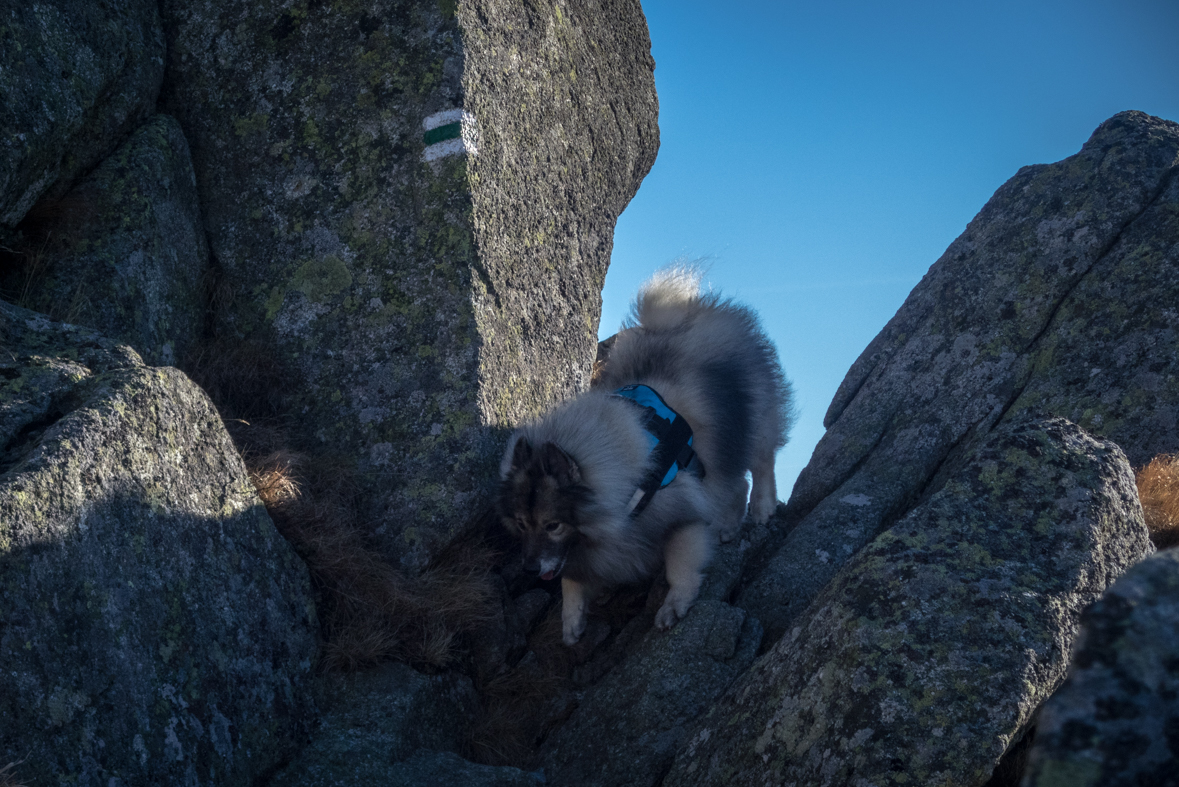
x=448, y=133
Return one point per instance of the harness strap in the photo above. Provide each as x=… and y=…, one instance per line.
x=671, y=444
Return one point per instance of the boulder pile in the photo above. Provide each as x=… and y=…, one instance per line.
x=386, y=226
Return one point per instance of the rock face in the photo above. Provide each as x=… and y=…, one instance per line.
x=630, y=724
x=1115, y=721
x=127, y=256
x=928, y=653
x=376, y=719
x=413, y=204
x=77, y=77
x=409, y=207
x=1059, y=297
x=154, y=626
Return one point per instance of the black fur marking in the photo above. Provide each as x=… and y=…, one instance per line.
x=728, y=389
x=531, y=498
x=519, y=493
x=521, y=454
x=558, y=464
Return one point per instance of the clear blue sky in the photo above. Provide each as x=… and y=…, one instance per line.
x=820, y=156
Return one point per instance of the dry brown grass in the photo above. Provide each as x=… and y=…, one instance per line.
x=1158, y=489
x=8, y=776
x=370, y=611
x=274, y=476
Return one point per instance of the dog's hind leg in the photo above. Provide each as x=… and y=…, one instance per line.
x=764, y=498
x=733, y=514
x=687, y=552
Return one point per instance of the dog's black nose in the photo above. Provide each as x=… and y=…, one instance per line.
x=532, y=566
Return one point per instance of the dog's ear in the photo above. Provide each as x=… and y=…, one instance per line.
x=521, y=454
x=559, y=464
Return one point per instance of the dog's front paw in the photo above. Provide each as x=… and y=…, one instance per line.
x=761, y=510
x=572, y=629
x=666, y=617
x=573, y=603
x=675, y=607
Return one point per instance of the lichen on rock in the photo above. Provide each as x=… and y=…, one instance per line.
x=154, y=626
x=77, y=77
x=418, y=304
x=928, y=653
x=125, y=253
x=1059, y=298
x=1115, y=721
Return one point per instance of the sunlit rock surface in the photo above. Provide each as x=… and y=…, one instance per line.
x=1115, y=721
x=927, y=654
x=413, y=207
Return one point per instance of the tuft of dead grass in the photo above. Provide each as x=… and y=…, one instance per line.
x=274, y=477
x=8, y=776
x=369, y=611
x=1158, y=489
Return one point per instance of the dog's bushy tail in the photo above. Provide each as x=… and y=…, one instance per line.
x=666, y=299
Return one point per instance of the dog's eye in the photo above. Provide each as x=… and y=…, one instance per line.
x=551, y=526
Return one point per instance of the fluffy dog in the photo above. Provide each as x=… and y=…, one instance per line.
x=600, y=499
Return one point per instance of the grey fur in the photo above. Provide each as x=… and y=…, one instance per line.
x=569, y=476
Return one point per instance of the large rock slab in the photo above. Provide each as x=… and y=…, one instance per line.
x=1059, y=295
x=1115, y=721
x=127, y=255
x=628, y=727
x=154, y=626
x=413, y=205
x=927, y=655
x=373, y=720
x=77, y=77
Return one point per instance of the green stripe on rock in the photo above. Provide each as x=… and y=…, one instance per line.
x=443, y=133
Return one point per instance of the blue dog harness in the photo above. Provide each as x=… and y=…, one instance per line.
x=670, y=439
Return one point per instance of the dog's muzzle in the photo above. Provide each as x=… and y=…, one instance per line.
x=547, y=569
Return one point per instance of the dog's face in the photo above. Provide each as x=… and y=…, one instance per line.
x=538, y=503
